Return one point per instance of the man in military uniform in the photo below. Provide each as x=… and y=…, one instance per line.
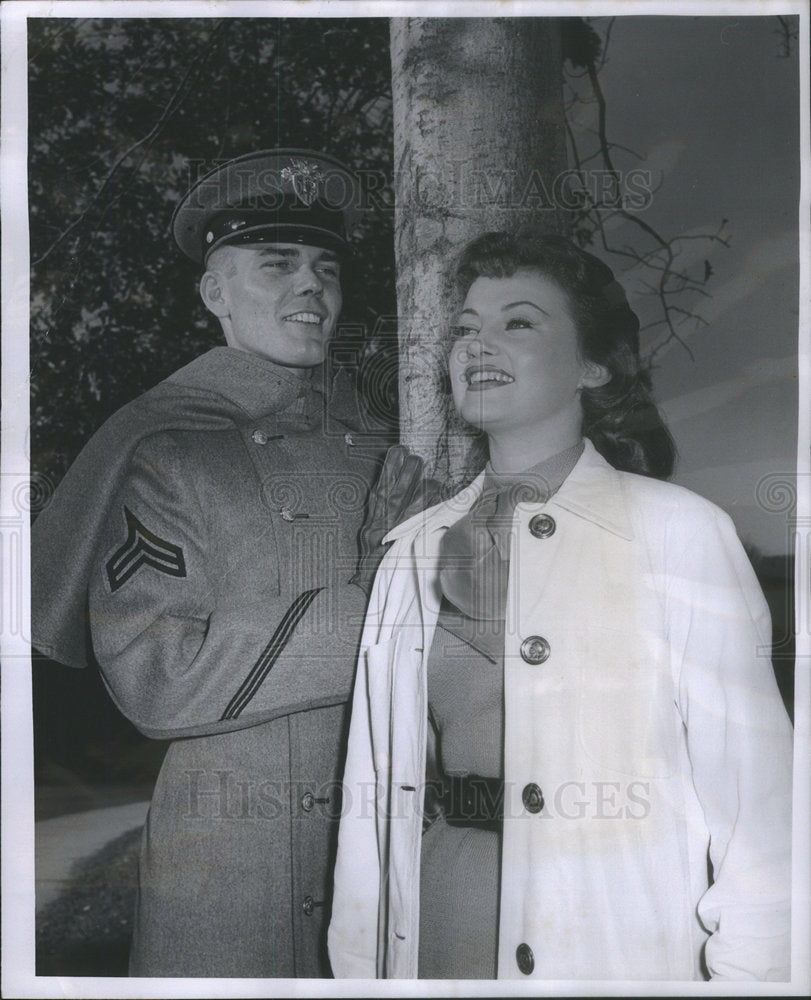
x=213, y=531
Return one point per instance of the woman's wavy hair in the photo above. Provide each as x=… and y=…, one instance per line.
x=619, y=417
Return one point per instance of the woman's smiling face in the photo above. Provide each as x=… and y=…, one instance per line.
x=515, y=363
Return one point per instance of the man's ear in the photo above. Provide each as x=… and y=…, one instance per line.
x=594, y=375
x=213, y=294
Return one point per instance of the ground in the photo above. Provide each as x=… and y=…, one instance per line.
x=86, y=930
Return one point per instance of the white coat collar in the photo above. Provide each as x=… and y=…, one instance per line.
x=593, y=490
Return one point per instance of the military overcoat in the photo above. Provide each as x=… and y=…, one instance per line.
x=220, y=615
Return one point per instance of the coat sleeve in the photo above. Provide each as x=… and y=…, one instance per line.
x=740, y=748
x=177, y=660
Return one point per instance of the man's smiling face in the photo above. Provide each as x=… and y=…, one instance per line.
x=279, y=301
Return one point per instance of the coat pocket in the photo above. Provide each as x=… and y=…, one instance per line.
x=627, y=718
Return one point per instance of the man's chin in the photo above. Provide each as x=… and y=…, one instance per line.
x=302, y=359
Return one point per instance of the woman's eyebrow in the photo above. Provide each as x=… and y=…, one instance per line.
x=524, y=302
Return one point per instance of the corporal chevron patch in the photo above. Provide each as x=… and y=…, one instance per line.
x=143, y=548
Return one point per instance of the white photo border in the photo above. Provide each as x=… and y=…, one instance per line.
x=19, y=979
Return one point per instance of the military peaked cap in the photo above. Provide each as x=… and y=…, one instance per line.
x=271, y=196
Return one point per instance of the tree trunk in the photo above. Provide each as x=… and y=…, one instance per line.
x=478, y=143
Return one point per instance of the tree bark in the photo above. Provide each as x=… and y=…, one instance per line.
x=478, y=143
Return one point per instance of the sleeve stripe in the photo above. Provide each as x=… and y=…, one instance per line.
x=270, y=654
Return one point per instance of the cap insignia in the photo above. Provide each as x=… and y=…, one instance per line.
x=304, y=177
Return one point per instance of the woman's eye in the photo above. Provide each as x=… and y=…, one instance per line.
x=462, y=331
x=516, y=323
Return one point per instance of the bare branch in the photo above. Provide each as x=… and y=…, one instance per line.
x=787, y=35
x=661, y=260
x=688, y=315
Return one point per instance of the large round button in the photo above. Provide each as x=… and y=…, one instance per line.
x=542, y=526
x=525, y=959
x=532, y=797
x=259, y=437
x=535, y=649
x=307, y=801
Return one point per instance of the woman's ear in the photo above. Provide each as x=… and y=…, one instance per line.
x=594, y=375
x=213, y=294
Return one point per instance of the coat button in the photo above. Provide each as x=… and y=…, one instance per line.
x=532, y=797
x=259, y=437
x=535, y=650
x=307, y=801
x=309, y=905
x=349, y=439
x=525, y=958
x=542, y=526
x=287, y=514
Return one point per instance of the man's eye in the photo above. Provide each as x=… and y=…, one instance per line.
x=277, y=265
x=331, y=270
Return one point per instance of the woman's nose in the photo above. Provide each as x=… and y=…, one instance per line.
x=473, y=347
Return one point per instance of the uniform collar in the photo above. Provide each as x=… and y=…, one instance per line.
x=253, y=384
x=593, y=490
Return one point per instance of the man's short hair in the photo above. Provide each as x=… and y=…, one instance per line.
x=223, y=259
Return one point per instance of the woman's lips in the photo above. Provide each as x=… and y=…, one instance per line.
x=479, y=379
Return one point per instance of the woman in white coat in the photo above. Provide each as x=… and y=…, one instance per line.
x=568, y=758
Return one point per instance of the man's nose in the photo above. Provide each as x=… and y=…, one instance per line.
x=308, y=281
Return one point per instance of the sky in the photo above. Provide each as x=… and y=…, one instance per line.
x=713, y=110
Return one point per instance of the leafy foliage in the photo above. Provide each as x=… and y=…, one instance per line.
x=123, y=116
